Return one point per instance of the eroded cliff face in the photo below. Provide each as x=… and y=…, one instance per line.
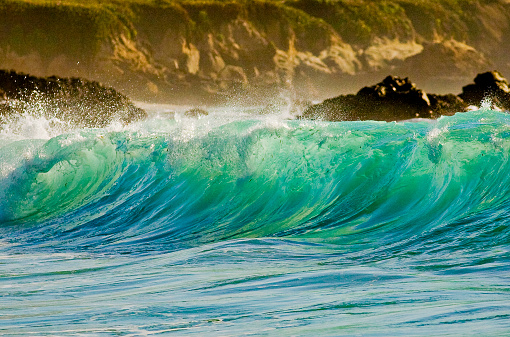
x=225, y=50
x=215, y=51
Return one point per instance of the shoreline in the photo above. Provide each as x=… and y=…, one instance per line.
x=91, y=104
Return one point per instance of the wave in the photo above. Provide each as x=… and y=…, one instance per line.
x=165, y=184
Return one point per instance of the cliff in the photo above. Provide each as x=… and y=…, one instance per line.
x=212, y=51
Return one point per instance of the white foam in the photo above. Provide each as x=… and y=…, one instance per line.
x=436, y=132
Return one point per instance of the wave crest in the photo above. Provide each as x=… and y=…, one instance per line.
x=365, y=183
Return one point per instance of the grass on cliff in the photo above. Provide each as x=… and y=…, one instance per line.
x=357, y=21
x=360, y=21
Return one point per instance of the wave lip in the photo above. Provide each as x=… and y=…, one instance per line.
x=366, y=183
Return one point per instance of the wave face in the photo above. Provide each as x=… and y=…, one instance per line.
x=256, y=225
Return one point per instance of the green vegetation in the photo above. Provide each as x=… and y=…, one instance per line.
x=45, y=25
x=359, y=21
x=356, y=21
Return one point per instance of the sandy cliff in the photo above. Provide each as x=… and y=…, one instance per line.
x=209, y=51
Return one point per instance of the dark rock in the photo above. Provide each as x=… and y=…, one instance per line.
x=391, y=100
x=488, y=85
x=401, y=95
x=83, y=102
x=340, y=108
x=446, y=105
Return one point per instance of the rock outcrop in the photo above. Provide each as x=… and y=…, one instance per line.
x=82, y=102
x=392, y=99
x=490, y=85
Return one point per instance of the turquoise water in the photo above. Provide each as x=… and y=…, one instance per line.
x=236, y=224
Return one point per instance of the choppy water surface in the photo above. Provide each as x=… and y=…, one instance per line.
x=236, y=224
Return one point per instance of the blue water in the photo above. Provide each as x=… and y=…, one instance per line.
x=236, y=224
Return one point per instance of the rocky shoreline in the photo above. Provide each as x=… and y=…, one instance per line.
x=75, y=100
x=397, y=98
x=89, y=104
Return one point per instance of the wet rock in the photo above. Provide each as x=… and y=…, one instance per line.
x=392, y=99
x=82, y=102
x=446, y=105
x=488, y=85
x=401, y=95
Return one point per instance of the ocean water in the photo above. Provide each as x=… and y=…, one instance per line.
x=236, y=224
